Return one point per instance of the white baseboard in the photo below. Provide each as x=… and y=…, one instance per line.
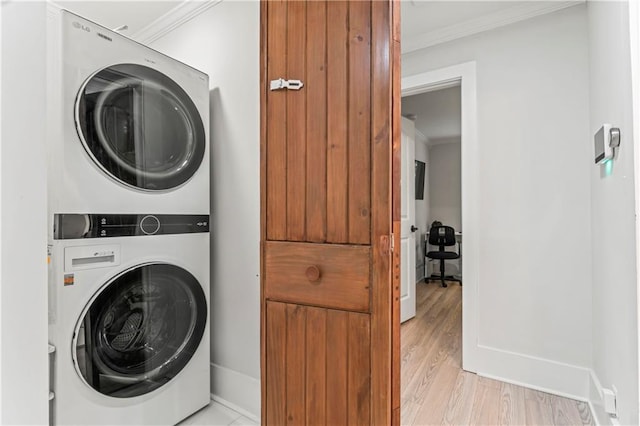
x=545, y=375
x=236, y=390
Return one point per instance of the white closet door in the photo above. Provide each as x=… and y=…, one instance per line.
x=407, y=233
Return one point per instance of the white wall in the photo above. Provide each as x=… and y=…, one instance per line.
x=445, y=193
x=445, y=184
x=24, y=384
x=224, y=42
x=534, y=162
x=615, y=330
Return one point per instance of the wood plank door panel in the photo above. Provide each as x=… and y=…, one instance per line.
x=329, y=275
x=323, y=366
x=319, y=159
x=327, y=183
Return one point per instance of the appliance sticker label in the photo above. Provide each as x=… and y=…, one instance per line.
x=68, y=279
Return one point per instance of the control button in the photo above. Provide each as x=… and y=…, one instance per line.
x=149, y=225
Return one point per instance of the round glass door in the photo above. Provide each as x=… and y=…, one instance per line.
x=140, y=127
x=140, y=331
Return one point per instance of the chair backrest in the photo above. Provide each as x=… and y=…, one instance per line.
x=442, y=236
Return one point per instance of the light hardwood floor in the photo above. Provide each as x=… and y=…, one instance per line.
x=435, y=390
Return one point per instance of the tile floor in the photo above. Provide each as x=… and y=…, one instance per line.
x=216, y=414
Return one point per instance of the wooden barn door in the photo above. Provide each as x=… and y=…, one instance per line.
x=329, y=273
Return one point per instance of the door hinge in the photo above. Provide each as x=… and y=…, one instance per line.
x=281, y=83
x=392, y=243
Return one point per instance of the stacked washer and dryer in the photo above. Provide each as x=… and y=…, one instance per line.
x=128, y=178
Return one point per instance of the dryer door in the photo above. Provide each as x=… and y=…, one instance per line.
x=140, y=330
x=140, y=127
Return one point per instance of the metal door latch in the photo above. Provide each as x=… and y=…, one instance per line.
x=281, y=83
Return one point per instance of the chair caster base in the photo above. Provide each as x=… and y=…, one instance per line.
x=443, y=284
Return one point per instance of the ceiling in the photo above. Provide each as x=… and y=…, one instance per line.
x=437, y=114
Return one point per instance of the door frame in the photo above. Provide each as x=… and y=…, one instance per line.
x=464, y=75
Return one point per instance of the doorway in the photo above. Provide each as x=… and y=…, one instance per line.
x=431, y=342
x=435, y=117
x=464, y=76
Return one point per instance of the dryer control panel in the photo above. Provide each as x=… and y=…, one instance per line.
x=73, y=226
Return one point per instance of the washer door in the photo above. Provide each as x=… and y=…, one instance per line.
x=140, y=330
x=140, y=127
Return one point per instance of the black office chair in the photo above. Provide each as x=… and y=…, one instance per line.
x=442, y=236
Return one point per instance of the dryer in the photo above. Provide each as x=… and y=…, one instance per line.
x=129, y=130
x=129, y=308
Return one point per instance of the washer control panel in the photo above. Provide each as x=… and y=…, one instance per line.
x=74, y=226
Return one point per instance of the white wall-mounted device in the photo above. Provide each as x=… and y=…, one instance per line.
x=609, y=401
x=606, y=139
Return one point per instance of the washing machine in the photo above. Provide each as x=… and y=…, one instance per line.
x=129, y=126
x=129, y=318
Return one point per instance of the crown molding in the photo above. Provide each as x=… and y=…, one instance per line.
x=487, y=22
x=171, y=20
